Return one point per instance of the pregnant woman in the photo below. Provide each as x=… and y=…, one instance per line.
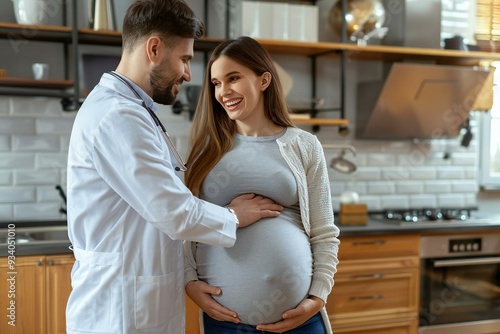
x=277, y=276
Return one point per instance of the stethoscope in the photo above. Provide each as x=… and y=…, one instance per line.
x=159, y=124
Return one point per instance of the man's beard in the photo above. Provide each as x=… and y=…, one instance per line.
x=162, y=95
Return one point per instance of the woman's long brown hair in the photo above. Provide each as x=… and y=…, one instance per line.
x=212, y=130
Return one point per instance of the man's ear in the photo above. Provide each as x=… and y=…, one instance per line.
x=153, y=46
x=266, y=80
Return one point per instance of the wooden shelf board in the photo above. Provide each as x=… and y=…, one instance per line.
x=352, y=51
x=32, y=83
x=35, y=32
x=321, y=121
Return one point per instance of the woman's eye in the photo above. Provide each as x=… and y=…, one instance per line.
x=233, y=78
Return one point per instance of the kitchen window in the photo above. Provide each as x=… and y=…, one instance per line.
x=487, y=34
x=489, y=129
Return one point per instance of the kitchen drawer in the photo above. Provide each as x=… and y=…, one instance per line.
x=406, y=324
x=380, y=292
x=378, y=246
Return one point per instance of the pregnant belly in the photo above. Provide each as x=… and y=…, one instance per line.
x=267, y=271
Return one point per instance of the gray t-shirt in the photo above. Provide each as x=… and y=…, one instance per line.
x=269, y=269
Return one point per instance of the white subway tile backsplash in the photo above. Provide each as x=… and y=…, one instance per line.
x=64, y=143
x=16, y=125
x=464, y=159
x=47, y=194
x=423, y=201
x=38, y=211
x=17, y=194
x=4, y=105
x=414, y=158
x=373, y=202
x=381, y=187
x=470, y=172
x=5, y=178
x=4, y=143
x=52, y=125
x=381, y=159
x=437, y=187
x=36, y=177
x=395, y=173
x=451, y=200
x=6, y=212
x=464, y=186
x=32, y=143
x=17, y=160
x=450, y=172
x=368, y=173
x=409, y=187
x=336, y=188
x=395, y=201
x=439, y=159
x=470, y=200
x=36, y=106
x=51, y=160
x=423, y=173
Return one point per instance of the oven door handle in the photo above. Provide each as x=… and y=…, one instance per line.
x=466, y=262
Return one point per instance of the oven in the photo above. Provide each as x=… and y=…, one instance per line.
x=460, y=284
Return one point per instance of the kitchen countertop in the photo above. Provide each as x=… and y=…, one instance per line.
x=377, y=225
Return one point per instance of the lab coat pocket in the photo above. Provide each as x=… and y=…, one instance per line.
x=156, y=300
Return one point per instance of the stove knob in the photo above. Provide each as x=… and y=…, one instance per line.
x=475, y=246
x=461, y=247
x=454, y=248
x=469, y=247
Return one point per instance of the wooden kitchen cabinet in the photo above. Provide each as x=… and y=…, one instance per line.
x=58, y=288
x=42, y=287
x=376, y=285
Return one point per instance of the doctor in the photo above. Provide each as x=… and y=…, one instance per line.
x=127, y=209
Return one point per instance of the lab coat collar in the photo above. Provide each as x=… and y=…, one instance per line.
x=111, y=82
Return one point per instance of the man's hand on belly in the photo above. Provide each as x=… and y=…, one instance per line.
x=250, y=208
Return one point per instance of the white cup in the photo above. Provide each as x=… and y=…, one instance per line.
x=31, y=11
x=40, y=71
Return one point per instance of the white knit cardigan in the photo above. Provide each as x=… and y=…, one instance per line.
x=304, y=155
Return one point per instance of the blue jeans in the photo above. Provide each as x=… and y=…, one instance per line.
x=314, y=325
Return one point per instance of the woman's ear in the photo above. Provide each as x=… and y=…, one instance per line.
x=266, y=80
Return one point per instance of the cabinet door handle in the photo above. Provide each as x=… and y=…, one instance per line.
x=39, y=263
x=379, y=296
x=50, y=263
x=363, y=243
x=379, y=275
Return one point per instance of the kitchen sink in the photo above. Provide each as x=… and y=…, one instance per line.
x=34, y=240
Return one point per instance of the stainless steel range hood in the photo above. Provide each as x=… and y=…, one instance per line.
x=418, y=101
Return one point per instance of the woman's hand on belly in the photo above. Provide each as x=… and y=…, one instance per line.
x=201, y=293
x=295, y=317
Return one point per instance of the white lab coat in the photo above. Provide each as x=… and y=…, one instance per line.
x=127, y=214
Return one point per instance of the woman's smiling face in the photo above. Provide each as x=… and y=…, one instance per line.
x=238, y=89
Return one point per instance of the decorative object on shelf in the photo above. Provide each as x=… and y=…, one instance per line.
x=363, y=19
x=280, y=21
x=40, y=71
x=455, y=43
x=3, y=72
x=104, y=14
x=31, y=11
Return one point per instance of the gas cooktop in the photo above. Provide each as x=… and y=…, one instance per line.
x=430, y=216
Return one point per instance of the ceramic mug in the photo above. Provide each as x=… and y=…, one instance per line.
x=40, y=71
x=31, y=11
